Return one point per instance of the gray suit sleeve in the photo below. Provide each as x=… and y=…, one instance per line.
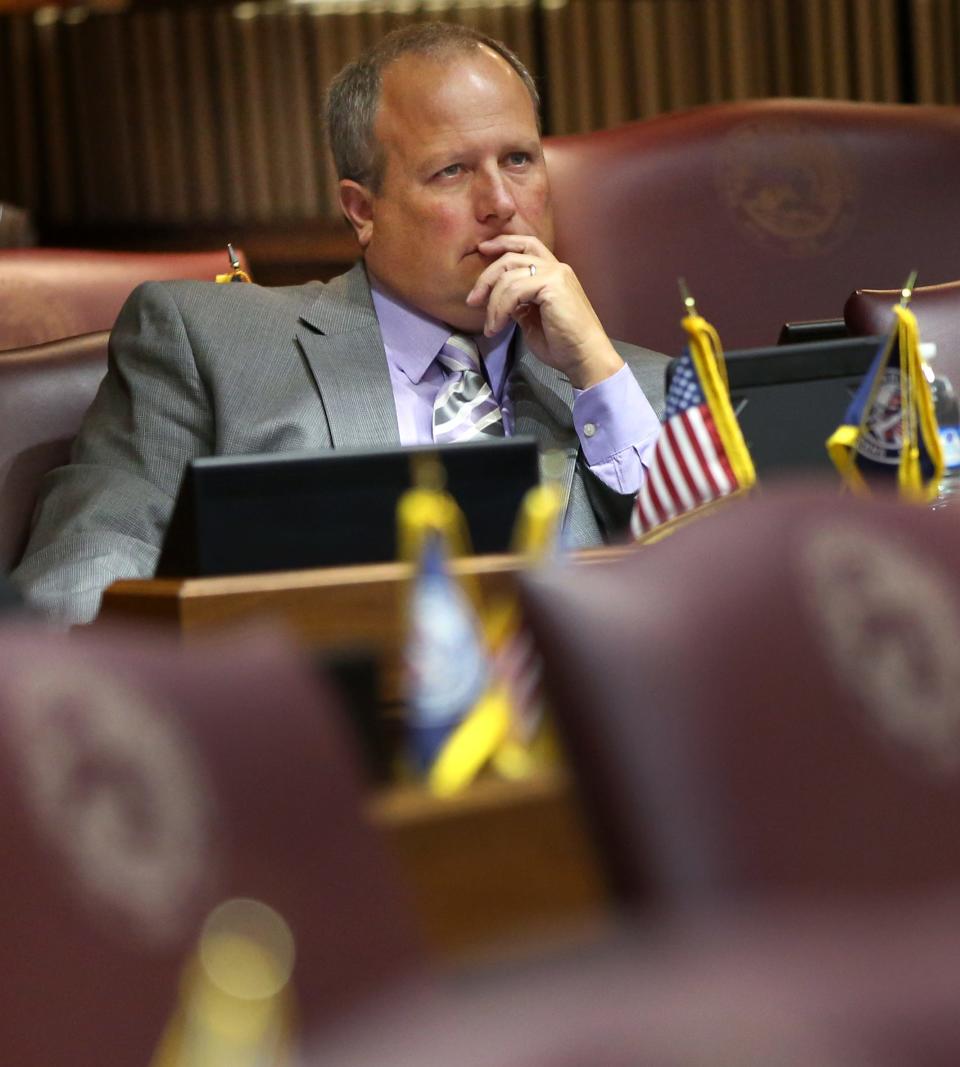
x=102, y=517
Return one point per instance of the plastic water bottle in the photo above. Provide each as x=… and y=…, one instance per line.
x=948, y=419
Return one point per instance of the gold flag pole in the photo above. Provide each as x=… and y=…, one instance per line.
x=236, y=272
x=707, y=354
x=908, y=415
x=905, y=295
x=689, y=304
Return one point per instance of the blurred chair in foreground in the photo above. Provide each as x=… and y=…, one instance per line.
x=937, y=307
x=772, y=210
x=45, y=391
x=48, y=293
x=768, y=701
x=143, y=785
x=860, y=986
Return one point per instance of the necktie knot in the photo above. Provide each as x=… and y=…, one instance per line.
x=465, y=407
x=460, y=354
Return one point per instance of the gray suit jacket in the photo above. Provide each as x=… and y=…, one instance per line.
x=202, y=369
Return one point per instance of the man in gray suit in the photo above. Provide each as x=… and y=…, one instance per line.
x=436, y=140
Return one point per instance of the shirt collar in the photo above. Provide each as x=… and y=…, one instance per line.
x=413, y=339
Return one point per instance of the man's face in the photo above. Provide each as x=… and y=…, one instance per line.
x=463, y=164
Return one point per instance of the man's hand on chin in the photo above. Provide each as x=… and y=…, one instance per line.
x=557, y=319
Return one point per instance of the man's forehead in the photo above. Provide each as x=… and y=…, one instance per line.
x=414, y=78
x=447, y=56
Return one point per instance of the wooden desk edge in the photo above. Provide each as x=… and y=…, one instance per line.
x=126, y=592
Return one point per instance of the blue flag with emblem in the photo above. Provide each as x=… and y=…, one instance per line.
x=889, y=434
x=446, y=659
x=472, y=672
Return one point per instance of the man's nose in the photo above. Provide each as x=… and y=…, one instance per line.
x=493, y=197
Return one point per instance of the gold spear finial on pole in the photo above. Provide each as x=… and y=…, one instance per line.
x=907, y=291
x=236, y=272
x=689, y=304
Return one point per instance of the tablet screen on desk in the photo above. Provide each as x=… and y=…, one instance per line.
x=287, y=511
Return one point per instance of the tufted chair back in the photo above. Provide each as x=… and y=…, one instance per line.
x=144, y=784
x=937, y=307
x=45, y=391
x=49, y=293
x=769, y=700
x=772, y=210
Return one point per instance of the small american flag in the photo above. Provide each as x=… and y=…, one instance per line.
x=518, y=666
x=690, y=465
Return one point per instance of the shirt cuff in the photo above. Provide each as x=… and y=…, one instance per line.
x=613, y=415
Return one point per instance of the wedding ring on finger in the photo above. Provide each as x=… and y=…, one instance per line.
x=533, y=269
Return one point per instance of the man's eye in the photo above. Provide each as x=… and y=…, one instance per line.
x=518, y=159
x=450, y=171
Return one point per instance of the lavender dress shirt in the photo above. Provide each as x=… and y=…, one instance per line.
x=616, y=425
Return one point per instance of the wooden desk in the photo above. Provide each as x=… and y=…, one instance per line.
x=333, y=607
x=498, y=869
x=505, y=863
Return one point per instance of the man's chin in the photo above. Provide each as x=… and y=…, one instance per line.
x=465, y=319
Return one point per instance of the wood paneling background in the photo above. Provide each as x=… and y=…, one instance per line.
x=182, y=117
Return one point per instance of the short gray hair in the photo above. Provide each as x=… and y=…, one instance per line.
x=354, y=94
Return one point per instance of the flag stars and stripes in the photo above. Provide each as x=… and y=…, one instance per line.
x=689, y=466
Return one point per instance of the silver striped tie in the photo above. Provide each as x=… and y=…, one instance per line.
x=465, y=407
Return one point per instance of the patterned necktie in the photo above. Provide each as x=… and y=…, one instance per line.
x=465, y=407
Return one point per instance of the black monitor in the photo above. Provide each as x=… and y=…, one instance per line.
x=246, y=514
x=801, y=332
x=789, y=399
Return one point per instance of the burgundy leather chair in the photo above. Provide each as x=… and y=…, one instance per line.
x=48, y=293
x=768, y=701
x=772, y=210
x=144, y=784
x=45, y=391
x=937, y=307
x=859, y=986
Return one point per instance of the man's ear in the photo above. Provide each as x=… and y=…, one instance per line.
x=356, y=202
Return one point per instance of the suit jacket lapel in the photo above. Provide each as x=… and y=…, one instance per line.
x=340, y=338
x=542, y=402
